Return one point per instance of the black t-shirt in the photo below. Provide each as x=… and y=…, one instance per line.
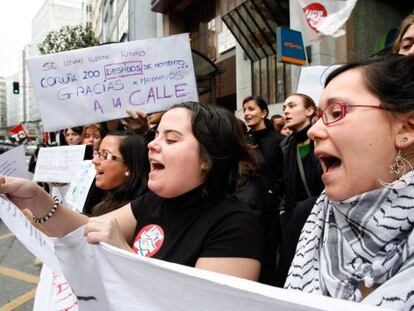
x=185, y=228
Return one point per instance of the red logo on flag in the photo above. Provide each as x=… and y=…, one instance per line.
x=18, y=134
x=315, y=14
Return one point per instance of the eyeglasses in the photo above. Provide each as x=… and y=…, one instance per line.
x=106, y=156
x=337, y=111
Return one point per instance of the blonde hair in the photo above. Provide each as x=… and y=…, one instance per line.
x=93, y=128
x=405, y=24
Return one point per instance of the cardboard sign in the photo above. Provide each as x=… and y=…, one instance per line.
x=80, y=185
x=13, y=163
x=98, y=83
x=312, y=80
x=58, y=164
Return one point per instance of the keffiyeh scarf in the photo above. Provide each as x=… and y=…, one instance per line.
x=367, y=239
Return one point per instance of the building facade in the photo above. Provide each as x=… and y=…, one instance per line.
x=239, y=38
x=123, y=20
x=53, y=15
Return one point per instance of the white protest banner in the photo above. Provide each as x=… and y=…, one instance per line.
x=312, y=80
x=53, y=293
x=319, y=18
x=106, y=278
x=98, y=83
x=13, y=163
x=58, y=164
x=35, y=241
x=80, y=185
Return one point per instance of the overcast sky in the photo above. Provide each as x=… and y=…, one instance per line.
x=15, y=31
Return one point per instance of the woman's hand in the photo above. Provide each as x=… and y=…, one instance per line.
x=136, y=121
x=105, y=229
x=25, y=194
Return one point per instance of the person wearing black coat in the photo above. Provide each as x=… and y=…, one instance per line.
x=301, y=188
x=264, y=190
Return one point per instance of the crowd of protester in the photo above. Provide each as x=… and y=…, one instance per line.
x=322, y=186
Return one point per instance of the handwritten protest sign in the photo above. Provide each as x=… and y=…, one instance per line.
x=98, y=83
x=12, y=163
x=80, y=185
x=58, y=164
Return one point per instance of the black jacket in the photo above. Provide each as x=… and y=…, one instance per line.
x=294, y=187
x=270, y=173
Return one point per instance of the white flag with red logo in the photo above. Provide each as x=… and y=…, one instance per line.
x=18, y=134
x=320, y=18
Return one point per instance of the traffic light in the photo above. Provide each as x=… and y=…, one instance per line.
x=16, y=88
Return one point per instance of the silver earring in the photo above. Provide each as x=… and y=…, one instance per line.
x=126, y=173
x=399, y=168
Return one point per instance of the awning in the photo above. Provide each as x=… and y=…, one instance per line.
x=203, y=66
x=205, y=72
x=253, y=23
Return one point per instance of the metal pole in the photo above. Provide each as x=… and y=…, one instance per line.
x=23, y=86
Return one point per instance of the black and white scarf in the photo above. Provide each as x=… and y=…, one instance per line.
x=367, y=239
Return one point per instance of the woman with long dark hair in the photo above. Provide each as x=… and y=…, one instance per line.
x=122, y=168
x=191, y=211
x=267, y=182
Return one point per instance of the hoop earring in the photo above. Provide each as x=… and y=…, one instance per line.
x=399, y=168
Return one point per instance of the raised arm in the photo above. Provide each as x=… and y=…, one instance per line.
x=115, y=228
x=26, y=194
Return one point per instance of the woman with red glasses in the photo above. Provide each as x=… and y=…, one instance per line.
x=358, y=242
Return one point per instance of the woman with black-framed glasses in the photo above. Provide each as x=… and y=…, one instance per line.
x=357, y=243
x=122, y=169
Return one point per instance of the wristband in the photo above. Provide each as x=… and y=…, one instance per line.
x=51, y=212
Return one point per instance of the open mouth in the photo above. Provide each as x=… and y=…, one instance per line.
x=157, y=166
x=330, y=162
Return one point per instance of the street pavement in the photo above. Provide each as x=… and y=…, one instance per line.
x=18, y=274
